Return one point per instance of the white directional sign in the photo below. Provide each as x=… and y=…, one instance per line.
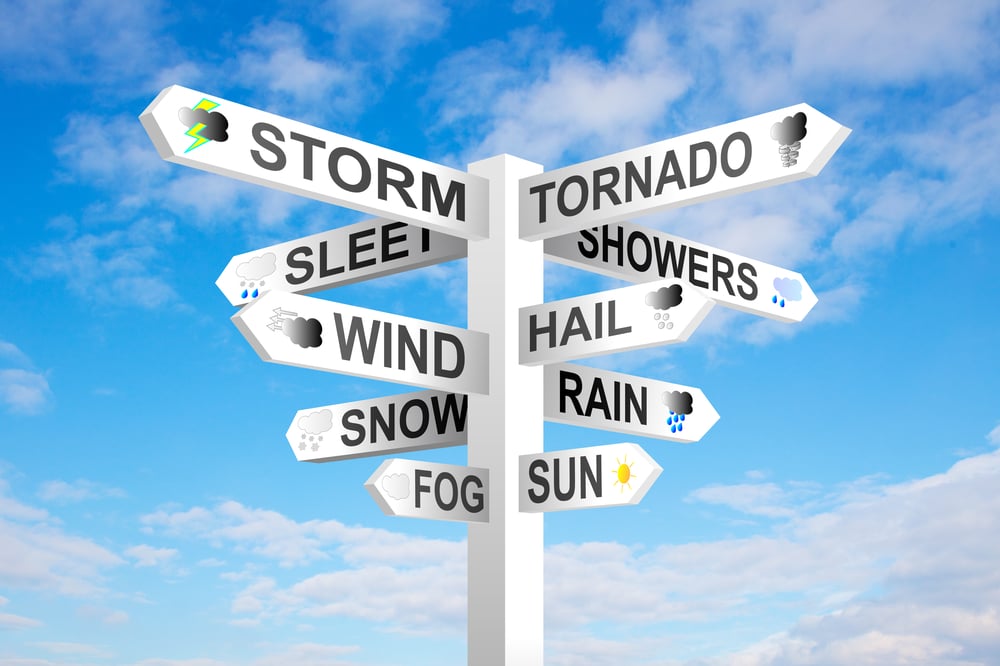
x=431, y=490
x=207, y=132
x=361, y=251
x=584, y=396
x=644, y=315
x=631, y=252
x=393, y=424
x=609, y=475
x=777, y=147
x=315, y=333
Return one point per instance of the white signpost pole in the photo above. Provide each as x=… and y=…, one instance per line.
x=505, y=555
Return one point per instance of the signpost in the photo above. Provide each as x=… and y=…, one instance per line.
x=609, y=475
x=368, y=249
x=315, y=333
x=510, y=367
x=209, y=133
x=393, y=424
x=584, y=396
x=431, y=490
x=777, y=147
x=628, y=251
x=610, y=321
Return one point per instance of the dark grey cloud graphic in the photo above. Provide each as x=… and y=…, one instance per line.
x=665, y=298
x=215, y=124
x=789, y=130
x=304, y=332
x=789, y=134
x=679, y=402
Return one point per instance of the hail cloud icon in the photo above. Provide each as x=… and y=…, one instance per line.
x=664, y=298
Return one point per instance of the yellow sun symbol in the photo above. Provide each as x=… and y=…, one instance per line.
x=624, y=475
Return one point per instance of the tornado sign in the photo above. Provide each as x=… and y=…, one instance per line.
x=777, y=147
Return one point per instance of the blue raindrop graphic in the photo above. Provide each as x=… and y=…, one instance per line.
x=244, y=294
x=255, y=292
x=673, y=428
x=774, y=299
x=680, y=426
x=682, y=417
x=782, y=302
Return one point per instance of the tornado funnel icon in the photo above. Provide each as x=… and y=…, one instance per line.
x=789, y=134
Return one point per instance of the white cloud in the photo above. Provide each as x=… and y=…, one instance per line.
x=394, y=25
x=102, y=614
x=273, y=536
x=309, y=654
x=873, y=570
x=72, y=648
x=763, y=499
x=38, y=555
x=568, y=104
x=121, y=267
x=994, y=436
x=23, y=391
x=9, y=622
x=148, y=556
x=102, y=41
x=77, y=491
x=277, y=64
x=886, y=574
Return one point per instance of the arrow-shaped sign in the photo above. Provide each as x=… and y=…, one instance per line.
x=316, y=333
x=368, y=249
x=631, y=252
x=644, y=315
x=777, y=147
x=609, y=475
x=584, y=396
x=431, y=490
x=393, y=424
x=209, y=133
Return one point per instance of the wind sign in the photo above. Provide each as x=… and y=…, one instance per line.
x=777, y=147
x=315, y=333
x=209, y=133
x=361, y=251
x=645, y=315
x=631, y=252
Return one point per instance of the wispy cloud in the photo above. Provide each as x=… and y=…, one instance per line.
x=38, y=554
x=23, y=390
x=76, y=491
x=149, y=556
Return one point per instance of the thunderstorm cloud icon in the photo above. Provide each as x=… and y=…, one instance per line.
x=203, y=124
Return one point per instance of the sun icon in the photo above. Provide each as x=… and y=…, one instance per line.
x=624, y=475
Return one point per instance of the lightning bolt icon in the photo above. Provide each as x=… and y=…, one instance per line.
x=195, y=131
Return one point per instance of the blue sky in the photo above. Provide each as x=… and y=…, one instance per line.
x=842, y=511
